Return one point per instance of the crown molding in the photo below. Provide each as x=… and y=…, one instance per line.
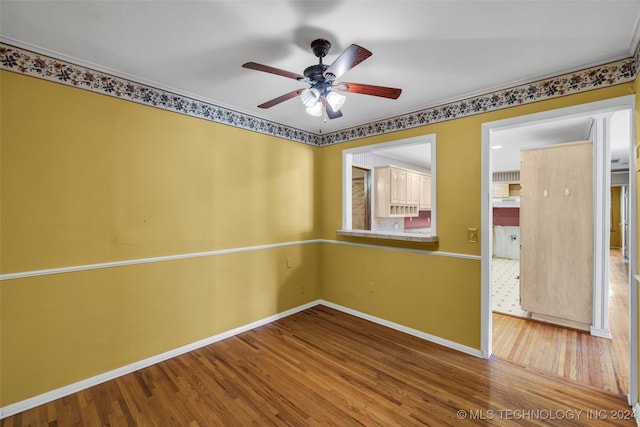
x=64, y=71
x=33, y=64
x=596, y=77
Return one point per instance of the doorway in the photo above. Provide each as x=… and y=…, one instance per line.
x=600, y=133
x=360, y=198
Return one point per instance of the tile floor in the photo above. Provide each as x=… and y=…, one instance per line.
x=506, y=287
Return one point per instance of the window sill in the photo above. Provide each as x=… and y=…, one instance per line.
x=403, y=237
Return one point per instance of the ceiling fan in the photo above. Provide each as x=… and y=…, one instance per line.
x=322, y=93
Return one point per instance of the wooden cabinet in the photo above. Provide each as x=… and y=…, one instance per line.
x=503, y=190
x=500, y=190
x=397, y=192
x=401, y=192
x=556, y=233
x=413, y=188
x=424, y=188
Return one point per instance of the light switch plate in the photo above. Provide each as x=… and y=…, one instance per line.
x=472, y=235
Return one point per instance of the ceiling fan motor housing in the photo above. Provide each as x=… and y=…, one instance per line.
x=315, y=73
x=320, y=48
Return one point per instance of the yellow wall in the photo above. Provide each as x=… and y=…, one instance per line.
x=434, y=294
x=90, y=179
x=615, y=240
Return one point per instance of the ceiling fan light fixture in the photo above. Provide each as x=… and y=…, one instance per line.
x=315, y=109
x=310, y=97
x=319, y=97
x=335, y=100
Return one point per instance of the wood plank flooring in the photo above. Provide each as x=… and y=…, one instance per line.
x=325, y=367
x=575, y=355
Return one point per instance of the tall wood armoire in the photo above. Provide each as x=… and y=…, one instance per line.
x=556, y=233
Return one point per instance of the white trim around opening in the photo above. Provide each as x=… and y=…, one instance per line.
x=595, y=109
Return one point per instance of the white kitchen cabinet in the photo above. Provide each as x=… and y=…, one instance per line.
x=396, y=192
x=500, y=190
x=424, y=188
x=413, y=188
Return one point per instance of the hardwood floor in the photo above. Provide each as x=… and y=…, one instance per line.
x=325, y=367
x=575, y=355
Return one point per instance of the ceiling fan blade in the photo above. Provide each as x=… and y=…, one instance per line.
x=280, y=99
x=382, y=91
x=352, y=56
x=272, y=70
x=330, y=113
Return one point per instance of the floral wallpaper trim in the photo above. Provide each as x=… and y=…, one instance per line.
x=41, y=66
x=605, y=75
x=35, y=65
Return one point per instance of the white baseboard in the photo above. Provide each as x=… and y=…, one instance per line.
x=636, y=412
x=52, y=395
x=428, y=337
x=601, y=333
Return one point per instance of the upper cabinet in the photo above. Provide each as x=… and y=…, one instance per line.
x=500, y=190
x=506, y=194
x=398, y=187
x=400, y=192
x=413, y=188
x=424, y=187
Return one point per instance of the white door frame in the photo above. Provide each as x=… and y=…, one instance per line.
x=602, y=179
x=625, y=214
x=601, y=226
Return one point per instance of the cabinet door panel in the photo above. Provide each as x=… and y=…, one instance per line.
x=425, y=192
x=413, y=188
x=398, y=186
x=500, y=189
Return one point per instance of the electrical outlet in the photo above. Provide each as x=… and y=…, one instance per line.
x=289, y=263
x=372, y=287
x=472, y=235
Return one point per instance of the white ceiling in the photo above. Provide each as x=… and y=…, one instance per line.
x=436, y=51
x=507, y=144
x=415, y=154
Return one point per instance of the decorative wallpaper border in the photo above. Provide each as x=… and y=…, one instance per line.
x=36, y=65
x=610, y=74
x=32, y=64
